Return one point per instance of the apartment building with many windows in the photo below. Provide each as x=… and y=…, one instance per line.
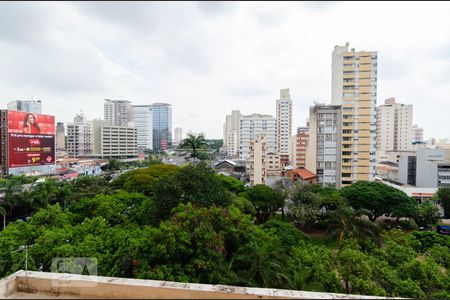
x=284, y=121
x=354, y=88
x=253, y=125
x=394, y=127
x=323, y=151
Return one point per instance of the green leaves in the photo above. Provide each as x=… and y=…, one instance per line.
x=379, y=199
x=266, y=201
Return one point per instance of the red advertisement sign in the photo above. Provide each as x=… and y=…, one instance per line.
x=25, y=122
x=31, y=139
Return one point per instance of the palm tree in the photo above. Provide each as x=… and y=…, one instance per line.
x=194, y=143
x=345, y=223
x=3, y=213
x=262, y=267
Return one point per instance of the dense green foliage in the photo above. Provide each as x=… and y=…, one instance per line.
x=443, y=195
x=379, y=199
x=191, y=225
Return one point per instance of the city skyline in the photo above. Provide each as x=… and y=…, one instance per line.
x=189, y=55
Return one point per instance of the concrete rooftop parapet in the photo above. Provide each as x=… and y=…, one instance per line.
x=63, y=285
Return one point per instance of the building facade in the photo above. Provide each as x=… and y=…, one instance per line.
x=300, y=144
x=33, y=106
x=162, y=126
x=257, y=164
x=394, y=127
x=429, y=168
x=143, y=122
x=60, y=136
x=323, y=150
x=253, y=125
x=231, y=133
x=178, y=136
x=115, y=141
x=354, y=87
x=417, y=134
x=284, y=121
x=118, y=112
x=80, y=140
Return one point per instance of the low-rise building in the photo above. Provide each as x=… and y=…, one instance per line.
x=302, y=175
x=428, y=168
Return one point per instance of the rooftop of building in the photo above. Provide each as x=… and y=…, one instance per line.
x=34, y=285
x=304, y=173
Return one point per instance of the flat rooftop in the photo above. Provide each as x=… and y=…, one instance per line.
x=37, y=285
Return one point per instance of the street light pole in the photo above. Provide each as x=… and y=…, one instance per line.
x=22, y=247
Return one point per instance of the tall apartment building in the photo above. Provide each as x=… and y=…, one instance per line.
x=354, y=88
x=257, y=160
x=177, y=136
x=300, y=142
x=253, y=125
x=231, y=131
x=143, y=122
x=80, y=141
x=60, y=136
x=118, y=112
x=417, y=134
x=394, y=127
x=162, y=126
x=284, y=121
x=33, y=106
x=323, y=150
x=114, y=141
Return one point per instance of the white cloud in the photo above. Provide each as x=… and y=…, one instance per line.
x=209, y=58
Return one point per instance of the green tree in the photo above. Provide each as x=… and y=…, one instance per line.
x=266, y=201
x=305, y=205
x=262, y=262
x=346, y=223
x=443, y=194
x=232, y=184
x=143, y=180
x=378, y=198
x=195, y=144
x=427, y=213
x=197, y=184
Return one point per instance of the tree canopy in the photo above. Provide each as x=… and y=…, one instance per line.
x=379, y=199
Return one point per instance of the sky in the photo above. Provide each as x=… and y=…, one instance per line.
x=208, y=58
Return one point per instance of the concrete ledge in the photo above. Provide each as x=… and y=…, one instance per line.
x=62, y=285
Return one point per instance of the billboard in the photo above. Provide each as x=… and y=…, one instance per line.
x=31, y=139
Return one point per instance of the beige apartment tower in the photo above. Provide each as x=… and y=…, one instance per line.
x=258, y=153
x=354, y=87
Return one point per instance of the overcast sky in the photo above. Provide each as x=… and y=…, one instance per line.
x=209, y=58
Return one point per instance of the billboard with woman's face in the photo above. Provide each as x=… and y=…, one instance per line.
x=31, y=139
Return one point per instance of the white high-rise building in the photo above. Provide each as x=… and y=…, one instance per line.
x=143, y=122
x=253, y=125
x=80, y=141
x=394, y=127
x=417, y=134
x=284, y=121
x=32, y=106
x=231, y=132
x=178, y=136
x=118, y=112
x=354, y=87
